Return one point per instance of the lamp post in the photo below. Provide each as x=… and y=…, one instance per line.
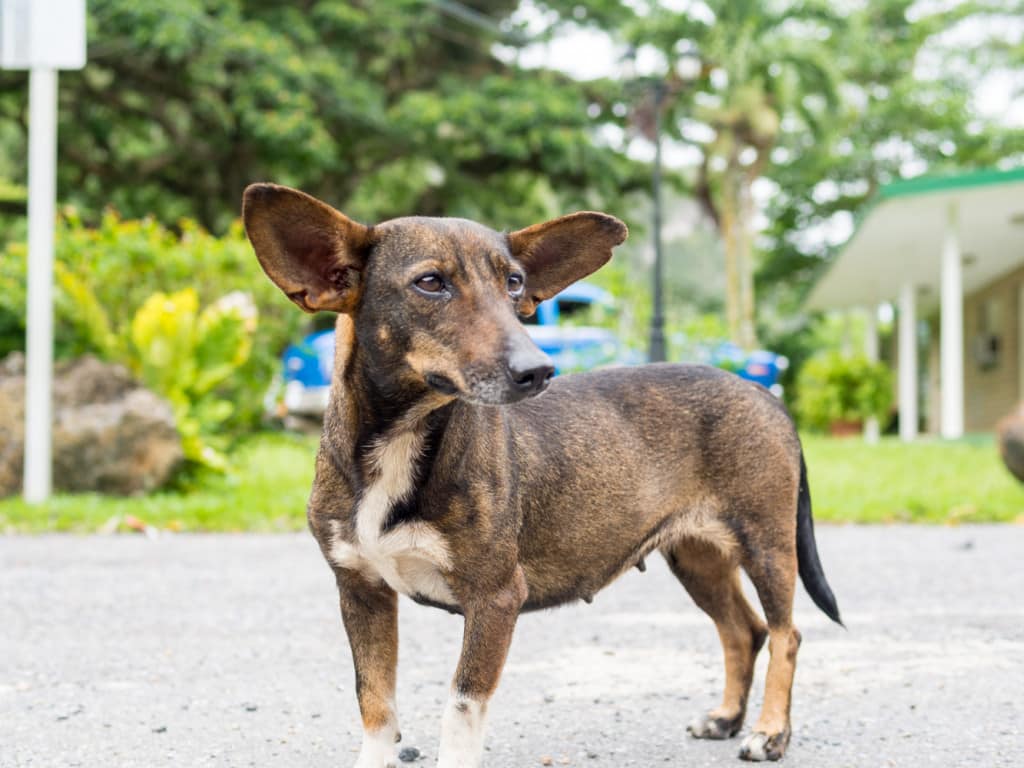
x=687, y=68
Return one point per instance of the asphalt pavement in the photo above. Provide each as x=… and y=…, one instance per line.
x=186, y=650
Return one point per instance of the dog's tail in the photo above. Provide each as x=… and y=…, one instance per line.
x=811, y=573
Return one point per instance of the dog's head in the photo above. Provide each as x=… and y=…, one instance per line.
x=434, y=301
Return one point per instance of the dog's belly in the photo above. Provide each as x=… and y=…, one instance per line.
x=410, y=559
x=583, y=563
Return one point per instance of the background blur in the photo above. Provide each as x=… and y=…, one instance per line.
x=779, y=124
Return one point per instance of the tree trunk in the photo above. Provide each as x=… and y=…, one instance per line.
x=730, y=241
x=745, y=262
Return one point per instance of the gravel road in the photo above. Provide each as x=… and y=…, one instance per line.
x=228, y=651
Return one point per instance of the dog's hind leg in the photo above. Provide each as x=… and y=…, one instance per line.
x=370, y=613
x=712, y=580
x=490, y=622
x=773, y=568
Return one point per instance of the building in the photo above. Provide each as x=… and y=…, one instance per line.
x=948, y=252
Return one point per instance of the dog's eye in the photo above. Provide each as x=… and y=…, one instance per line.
x=430, y=283
x=515, y=285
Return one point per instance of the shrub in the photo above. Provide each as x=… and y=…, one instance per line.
x=176, y=351
x=115, y=267
x=185, y=355
x=834, y=388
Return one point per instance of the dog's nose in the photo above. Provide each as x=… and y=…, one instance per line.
x=532, y=380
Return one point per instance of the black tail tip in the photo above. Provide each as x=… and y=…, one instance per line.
x=828, y=606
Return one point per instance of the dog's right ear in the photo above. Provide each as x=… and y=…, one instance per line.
x=313, y=253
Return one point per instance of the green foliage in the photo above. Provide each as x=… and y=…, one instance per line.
x=178, y=352
x=394, y=107
x=185, y=355
x=382, y=108
x=107, y=273
x=908, y=107
x=12, y=194
x=834, y=388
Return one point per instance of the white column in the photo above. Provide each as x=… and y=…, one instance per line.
x=952, y=340
x=871, y=428
x=42, y=191
x=908, y=363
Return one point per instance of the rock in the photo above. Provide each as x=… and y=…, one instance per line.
x=409, y=755
x=109, y=434
x=1011, y=442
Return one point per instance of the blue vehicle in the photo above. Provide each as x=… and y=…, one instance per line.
x=575, y=347
x=308, y=364
x=761, y=366
x=307, y=375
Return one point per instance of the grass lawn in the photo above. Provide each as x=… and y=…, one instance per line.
x=928, y=482
x=266, y=492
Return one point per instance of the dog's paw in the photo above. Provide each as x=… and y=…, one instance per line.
x=711, y=727
x=378, y=751
x=758, y=747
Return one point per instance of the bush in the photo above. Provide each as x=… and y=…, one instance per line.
x=834, y=388
x=185, y=355
x=110, y=272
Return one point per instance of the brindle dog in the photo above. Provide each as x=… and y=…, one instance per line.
x=443, y=477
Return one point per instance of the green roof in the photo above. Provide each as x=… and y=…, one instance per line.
x=887, y=209
x=923, y=185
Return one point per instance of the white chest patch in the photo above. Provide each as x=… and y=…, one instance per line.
x=410, y=557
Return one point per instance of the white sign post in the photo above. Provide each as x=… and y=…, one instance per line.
x=42, y=36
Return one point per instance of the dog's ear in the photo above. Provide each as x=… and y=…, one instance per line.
x=314, y=253
x=559, y=252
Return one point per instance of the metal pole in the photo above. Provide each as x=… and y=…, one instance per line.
x=42, y=192
x=657, y=350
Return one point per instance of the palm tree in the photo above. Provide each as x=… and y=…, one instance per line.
x=762, y=68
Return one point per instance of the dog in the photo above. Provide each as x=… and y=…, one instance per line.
x=444, y=475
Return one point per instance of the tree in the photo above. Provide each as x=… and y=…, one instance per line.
x=907, y=109
x=761, y=72
x=384, y=108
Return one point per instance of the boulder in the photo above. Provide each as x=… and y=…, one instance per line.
x=1011, y=442
x=110, y=434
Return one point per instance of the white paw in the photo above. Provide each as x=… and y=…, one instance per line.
x=462, y=733
x=379, y=750
x=758, y=746
x=709, y=727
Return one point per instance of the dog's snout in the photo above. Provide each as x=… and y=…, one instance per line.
x=533, y=377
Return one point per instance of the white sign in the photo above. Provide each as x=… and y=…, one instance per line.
x=47, y=34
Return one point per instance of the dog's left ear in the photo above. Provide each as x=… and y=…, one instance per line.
x=559, y=252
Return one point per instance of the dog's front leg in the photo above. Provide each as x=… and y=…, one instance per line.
x=490, y=621
x=370, y=613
